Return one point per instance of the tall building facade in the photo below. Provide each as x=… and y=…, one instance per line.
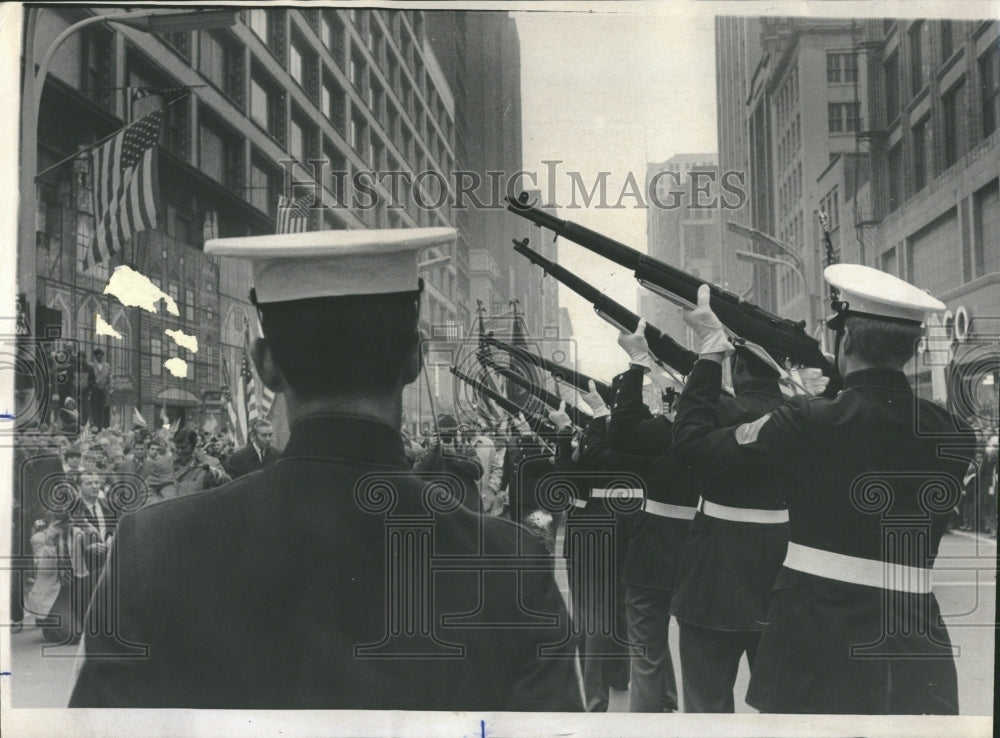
x=324, y=99
x=682, y=229
x=890, y=128
x=480, y=53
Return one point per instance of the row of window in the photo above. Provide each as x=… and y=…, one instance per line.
x=841, y=67
x=955, y=133
x=790, y=142
x=790, y=189
x=787, y=99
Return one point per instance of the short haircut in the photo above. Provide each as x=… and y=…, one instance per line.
x=754, y=365
x=887, y=343
x=72, y=452
x=257, y=424
x=334, y=345
x=188, y=436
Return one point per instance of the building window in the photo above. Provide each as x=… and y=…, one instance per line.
x=359, y=135
x=189, y=305
x=841, y=67
x=332, y=34
x=953, y=104
x=920, y=156
x=333, y=103
x=296, y=141
x=263, y=185
x=295, y=66
x=895, y=174
x=303, y=65
x=890, y=73
x=357, y=72
x=175, y=128
x=844, y=117
x=258, y=23
x=97, y=65
x=218, y=152
x=179, y=42
x=947, y=30
x=986, y=204
x=916, y=56
x=890, y=263
x=266, y=105
x=989, y=73
x=155, y=357
x=221, y=63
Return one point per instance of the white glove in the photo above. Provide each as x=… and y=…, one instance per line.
x=521, y=425
x=813, y=380
x=706, y=326
x=560, y=418
x=636, y=347
x=596, y=402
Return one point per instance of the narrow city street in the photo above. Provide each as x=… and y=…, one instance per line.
x=964, y=581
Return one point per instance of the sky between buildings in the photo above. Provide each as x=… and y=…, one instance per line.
x=611, y=91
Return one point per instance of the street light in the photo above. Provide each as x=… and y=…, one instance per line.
x=771, y=261
x=150, y=21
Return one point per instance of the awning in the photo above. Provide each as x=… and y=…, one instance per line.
x=177, y=396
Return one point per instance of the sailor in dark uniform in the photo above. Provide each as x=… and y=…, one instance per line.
x=871, y=477
x=659, y=533
x=315, y=583
x=732, y=555
x=605, y=487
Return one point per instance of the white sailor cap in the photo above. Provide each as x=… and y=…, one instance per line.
x=299, y=266
x=867, y=291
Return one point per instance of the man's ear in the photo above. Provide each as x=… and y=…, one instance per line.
x=415, y=359
x=267, y=369
x=846, y=343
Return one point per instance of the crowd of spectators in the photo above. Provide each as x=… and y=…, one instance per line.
x=70, y=489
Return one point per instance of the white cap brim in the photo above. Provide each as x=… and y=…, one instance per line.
x=300, y=266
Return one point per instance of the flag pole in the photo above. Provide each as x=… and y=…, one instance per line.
x=102, y=141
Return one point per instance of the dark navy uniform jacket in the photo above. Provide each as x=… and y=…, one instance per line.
x=656, y=541
x=872, y=474
x=727, y=566
x=273, y=591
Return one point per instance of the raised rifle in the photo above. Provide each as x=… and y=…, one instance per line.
x=661, y=346
x=563, y=373
x=536, y=422
x=746, y=320
x=579, y=418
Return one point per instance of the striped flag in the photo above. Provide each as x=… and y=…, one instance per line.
x=250, y=384
x=231, y=411
x=125, y=186
x=266, y=400
x=293, y=215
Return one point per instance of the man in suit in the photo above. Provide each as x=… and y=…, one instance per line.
x=257, y=454
x=290, y=588
x=91, y=526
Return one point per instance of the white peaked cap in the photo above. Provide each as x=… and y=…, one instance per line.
x=299, y=266
x=874, y=292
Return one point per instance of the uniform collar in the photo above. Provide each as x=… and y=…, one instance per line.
x=888, y=378
x=349, y=437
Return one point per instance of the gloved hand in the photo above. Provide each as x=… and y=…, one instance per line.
x=636, y=347
x=707, y=327
x=560, y=418
x=595, y=402
x=813, y=380
x=521, y=425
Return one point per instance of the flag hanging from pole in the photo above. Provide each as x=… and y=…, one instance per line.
x=125, y=186
x=266, y=400
x=293, y=215
x=231, y=412
x=250, y=384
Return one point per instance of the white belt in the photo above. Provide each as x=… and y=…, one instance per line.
x=666, y=510
x=743, y=514
x=577, y=502
x=618, y=493
x=855, y=570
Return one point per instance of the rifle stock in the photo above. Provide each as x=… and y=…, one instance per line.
x=662, y=346
x=745, y=319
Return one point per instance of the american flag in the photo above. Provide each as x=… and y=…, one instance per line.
x=125, y=186
x=293, y=215
x=249, y=383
